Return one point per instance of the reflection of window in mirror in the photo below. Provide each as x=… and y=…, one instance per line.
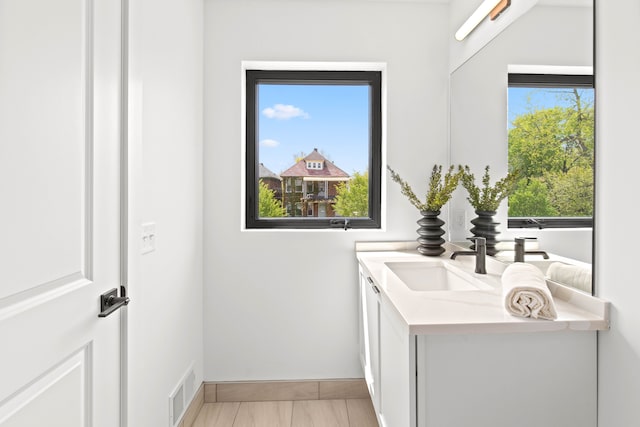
x=551, y=143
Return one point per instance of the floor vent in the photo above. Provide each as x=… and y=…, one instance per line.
x=181, y=396
x=190, y=383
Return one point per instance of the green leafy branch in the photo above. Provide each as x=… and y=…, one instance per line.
x=488, y=198
x=440, y=188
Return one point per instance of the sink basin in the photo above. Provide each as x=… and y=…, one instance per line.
x=434, y=276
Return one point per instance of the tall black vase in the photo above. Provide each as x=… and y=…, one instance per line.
x=430, y=234
x=485, y=226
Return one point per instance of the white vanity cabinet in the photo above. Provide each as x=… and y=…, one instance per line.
x=386, y=357
x=444, y=359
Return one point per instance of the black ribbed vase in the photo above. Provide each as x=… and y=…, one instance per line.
x=485, y=226
x=430, y=234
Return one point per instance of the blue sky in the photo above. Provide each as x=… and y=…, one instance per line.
x=524, y=99
x=298, y=118
x=335, y=120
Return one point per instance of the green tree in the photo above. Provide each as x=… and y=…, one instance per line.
x=268, y=205
x=534, y=142
x=553, y=148
x=531, y=198
x=352, y=198
x=573, y=192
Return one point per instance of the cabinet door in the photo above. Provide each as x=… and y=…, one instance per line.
x=370, y=336
x=502, y=380
x=397, y=371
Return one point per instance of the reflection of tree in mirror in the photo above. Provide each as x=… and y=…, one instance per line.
x=352, y=197
x=552, y=147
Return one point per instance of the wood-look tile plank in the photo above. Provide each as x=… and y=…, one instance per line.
x=217, y=415
x=320, y=413
x=343, y=389
x=361, y=413
x=264, y=414
x=266, y=391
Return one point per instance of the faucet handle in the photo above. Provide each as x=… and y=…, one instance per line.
x=520, y=241
x=479, y=241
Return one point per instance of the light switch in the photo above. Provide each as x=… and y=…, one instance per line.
x=459, y=219
x=148, y=237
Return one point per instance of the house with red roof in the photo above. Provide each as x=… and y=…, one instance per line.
x=309, y=186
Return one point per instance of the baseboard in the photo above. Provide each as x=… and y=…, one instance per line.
x=257, y=391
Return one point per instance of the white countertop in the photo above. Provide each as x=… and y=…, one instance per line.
x=470, y=311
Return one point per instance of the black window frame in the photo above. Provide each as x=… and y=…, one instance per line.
x=532, y=80
x=373, y=79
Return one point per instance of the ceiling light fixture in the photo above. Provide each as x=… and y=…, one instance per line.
x=481, y=12
x=500, y=7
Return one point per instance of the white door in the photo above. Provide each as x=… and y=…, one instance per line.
x=60, y=106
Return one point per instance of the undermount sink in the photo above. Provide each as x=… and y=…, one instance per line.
x=434, y=276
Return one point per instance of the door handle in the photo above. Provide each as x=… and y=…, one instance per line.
x=110, y=302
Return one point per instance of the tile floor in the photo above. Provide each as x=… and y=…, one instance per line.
x=288, y=413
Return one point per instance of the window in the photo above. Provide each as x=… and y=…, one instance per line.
x=316, y=131
x=551, y=142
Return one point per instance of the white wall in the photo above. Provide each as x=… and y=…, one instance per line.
x=165, y=137
x=282, y=305
x=479, y=108
x=617, y=111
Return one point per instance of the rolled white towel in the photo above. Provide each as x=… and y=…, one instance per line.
x=570, y=275
x=525, y=292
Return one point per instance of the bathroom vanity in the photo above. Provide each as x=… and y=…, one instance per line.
x=438, y=349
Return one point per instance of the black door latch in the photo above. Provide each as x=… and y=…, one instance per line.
x=110, y=302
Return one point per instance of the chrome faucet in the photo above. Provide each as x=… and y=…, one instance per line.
x=520, y=252
x=480, y=253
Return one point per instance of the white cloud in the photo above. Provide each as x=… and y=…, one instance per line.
x=269, y=143
x=284, y=112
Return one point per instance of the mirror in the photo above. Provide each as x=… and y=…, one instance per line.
x=552, y=34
